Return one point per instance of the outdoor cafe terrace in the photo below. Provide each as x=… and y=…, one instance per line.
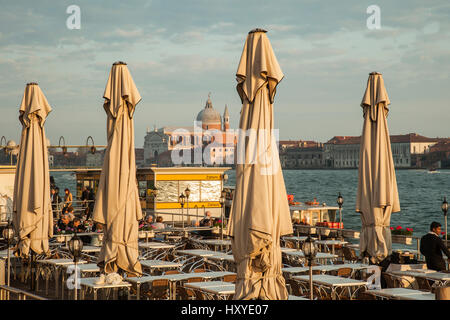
x=196, y=263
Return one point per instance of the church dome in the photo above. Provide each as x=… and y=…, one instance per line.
x=209, y=115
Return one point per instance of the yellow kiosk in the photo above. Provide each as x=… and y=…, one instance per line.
x=161, y=187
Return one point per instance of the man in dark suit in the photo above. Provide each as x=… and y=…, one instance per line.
x=432, y=247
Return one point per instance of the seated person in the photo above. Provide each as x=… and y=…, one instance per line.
x=97, y=227
x=206, y=221
x=55, y=226
x=87, y=213
x=76, y=225
x=159, y=223
x=63, y=222
x=70, y=212
x=148, y=221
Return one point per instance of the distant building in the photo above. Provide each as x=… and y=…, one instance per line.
x=209, y=142
x=139, y=155
x=301, y=154
x=438, y=156
x=343, y=151
x=67, y=159
x=95, y=159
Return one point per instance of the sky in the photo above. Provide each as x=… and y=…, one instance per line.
x=179, y=51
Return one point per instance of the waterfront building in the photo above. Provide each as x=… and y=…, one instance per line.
x=343, y=151
x=437, y=157
x=302, y=155
x=209, y=142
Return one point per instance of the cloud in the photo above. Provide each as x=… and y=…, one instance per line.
x=177, y=52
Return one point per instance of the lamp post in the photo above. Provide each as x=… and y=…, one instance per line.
x=222, y=202
x=8, y=234
x=75, y=247
x=181, y=199
x=187, y=192
x=310, y=251
x=444, y=208
x=340, y=202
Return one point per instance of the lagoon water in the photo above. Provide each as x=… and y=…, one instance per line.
x=421, y=193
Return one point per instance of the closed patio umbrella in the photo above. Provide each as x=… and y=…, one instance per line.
x=377, y=195
x=33, y=216
x=117, y=203
x=260, y=210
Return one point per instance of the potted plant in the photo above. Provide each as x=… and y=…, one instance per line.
x=401, y=235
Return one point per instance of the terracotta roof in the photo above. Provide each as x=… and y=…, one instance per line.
x=411, y=137
x=289, y=142
x=443, y=145
x=404, y=138
x=344, y=140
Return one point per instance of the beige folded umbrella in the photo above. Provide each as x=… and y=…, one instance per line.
x=260, y=210
x=117, y=203
x=377, y=195
x=33, y=216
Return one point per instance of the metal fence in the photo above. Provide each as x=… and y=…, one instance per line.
x=10, y=293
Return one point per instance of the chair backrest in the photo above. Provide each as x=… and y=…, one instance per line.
x=195, y=279
x=160, y=283
x=199, y=295
x=199, y=270
x=344, y=272
x=423, y=284
x=160, y=289
x=295, y=288
x=321, y=294
x=230, y=278
x=390, y=280
x=349, y=254
x=184, y=294
x=366, y=296
x=172, y=272
x=442, y=293
x=187, y=293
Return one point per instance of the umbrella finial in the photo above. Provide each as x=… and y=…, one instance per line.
x=257, y=30
x=32, y=83
x=119, y=63
x=374, y=73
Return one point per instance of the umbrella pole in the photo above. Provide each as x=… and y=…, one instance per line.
x=311, y=296
x=9, y=264
x=76, y=282
x=182, y=215
x=32, y=270
x=221, y=223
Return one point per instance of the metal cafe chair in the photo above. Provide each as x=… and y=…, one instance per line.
x=345, y=272
x=186, y=293
x=350, y=255
x=159, y=290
